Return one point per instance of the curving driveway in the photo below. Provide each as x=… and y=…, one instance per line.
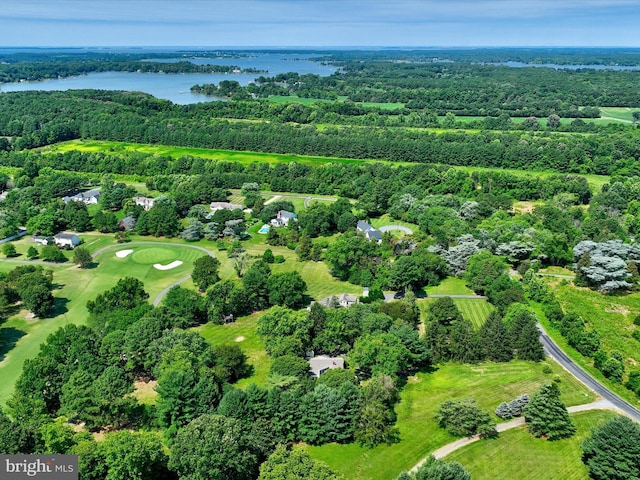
x=160, y=296
x=388, y=228
x=516, y=422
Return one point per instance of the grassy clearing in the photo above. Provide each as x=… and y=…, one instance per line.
x=621, y=114
x=476, y=311
x=611, y=316
x=243, y=333
x=488, y=383
x=311, y=101
x=517, y=454
x=595, y=181
x=387, y=220
x=245, y=158
x=450, y=286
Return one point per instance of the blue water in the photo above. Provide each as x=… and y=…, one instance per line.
x=176, y=87
x=264, y=229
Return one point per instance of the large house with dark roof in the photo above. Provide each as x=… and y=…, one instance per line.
x=90, y=197
x=369, y=231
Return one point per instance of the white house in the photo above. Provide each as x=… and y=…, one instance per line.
x=283, y=218
x=369, y=231
x=66, y=240
x=344, y=300
x=215, y=206
x=91, y=197
x=320, y=364
x=144, y=202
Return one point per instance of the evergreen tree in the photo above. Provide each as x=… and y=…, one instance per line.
x=546, y=415
x=495, y=342
x=613, y=450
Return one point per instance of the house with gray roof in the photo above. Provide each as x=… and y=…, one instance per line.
x=90, y=197
x=145, y=202
x=370, y=233
x=66, y=240
x=215, y=206
x=320, y=364
x=283, y=218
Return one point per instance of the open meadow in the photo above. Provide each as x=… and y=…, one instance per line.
x=488, y=383
x=516, y=454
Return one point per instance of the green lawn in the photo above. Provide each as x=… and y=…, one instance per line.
x=476, y=311
x=116, y=148
x=488, y=383
x=516, y=454
x=243, y=333
x=76, y=286
x=451, y=286
x=611, y=316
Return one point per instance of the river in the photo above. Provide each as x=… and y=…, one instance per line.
x=176, y=87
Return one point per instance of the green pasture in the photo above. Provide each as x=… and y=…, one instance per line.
x=516, y=454
x=595, y=181
x=311, y=101
x=450, y=286
x=488, y=383
x=621, y=114
x=245, y=158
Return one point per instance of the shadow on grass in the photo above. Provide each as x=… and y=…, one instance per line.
x=8, y=338
x=59, y=307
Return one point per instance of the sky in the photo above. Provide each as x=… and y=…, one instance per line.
x=320, y=23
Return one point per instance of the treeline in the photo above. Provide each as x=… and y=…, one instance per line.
x=41, y=118
x=43, y=68
x=376, y=181
x=465, y=89
x=559, y=56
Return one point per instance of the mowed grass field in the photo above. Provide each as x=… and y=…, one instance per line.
x=116, y=148
x=516, y=454
x=488, y=383
x=76, y=286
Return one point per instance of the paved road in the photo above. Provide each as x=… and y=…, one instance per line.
x=160, y=296
x=387, y=228
x=553, y=351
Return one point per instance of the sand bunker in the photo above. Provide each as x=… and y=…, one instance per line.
x=239, y=339
x=123, y=253
x=174, y=264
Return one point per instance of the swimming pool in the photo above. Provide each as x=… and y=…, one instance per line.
x=264, y=229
